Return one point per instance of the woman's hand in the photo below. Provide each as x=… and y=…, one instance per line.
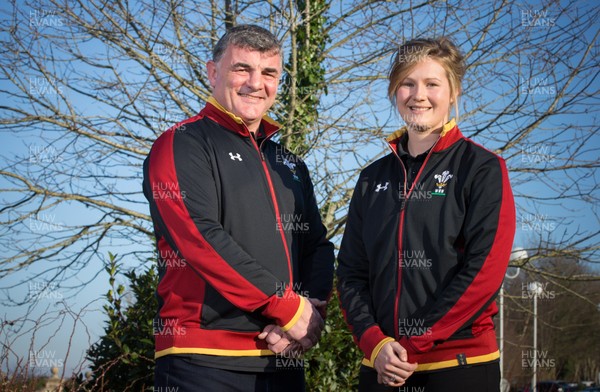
x=392, y=365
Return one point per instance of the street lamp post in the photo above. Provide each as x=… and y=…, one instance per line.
x=536, y=289
x=517, y=254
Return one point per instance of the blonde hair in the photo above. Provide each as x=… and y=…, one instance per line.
x=442, y=50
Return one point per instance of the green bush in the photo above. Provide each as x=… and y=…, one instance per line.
x=334, y=362
x=123, y=359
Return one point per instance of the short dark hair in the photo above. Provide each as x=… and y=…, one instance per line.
x=247, y=36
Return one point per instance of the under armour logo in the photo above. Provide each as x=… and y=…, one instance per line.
x=381, y=187
x=236, y=156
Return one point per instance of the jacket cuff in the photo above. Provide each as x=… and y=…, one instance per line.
x=286, y=309
x=371, y=342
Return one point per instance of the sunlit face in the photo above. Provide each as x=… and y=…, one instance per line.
x=245, y=82
x=423, y=97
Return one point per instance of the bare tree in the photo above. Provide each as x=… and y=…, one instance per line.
x=87, y=86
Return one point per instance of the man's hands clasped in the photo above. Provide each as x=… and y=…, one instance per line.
x=303, y=335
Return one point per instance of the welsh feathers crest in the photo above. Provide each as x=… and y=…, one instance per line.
x=441, y=182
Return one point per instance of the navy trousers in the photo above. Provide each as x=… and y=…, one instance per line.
x=470, y=378
x=178, y=373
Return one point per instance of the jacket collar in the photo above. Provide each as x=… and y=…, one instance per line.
x=450, y=134
x=216, y=112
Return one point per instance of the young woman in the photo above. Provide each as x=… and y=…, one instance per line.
x=427, y=241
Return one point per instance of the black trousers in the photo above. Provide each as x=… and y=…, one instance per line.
x=470, y=378
x=175, y=373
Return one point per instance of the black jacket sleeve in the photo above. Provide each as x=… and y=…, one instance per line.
x=353, y=282
x=317, y=258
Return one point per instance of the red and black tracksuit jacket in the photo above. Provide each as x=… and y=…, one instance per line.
x=421, y=263
x=239, y=237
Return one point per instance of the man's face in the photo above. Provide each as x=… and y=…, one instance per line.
x=245, y=82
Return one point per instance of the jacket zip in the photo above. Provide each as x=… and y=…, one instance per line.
x=406, y=196
x=275, y=205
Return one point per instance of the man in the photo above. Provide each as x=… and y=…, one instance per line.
x=244, y=265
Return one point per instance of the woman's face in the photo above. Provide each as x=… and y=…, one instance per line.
x=423, y=97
